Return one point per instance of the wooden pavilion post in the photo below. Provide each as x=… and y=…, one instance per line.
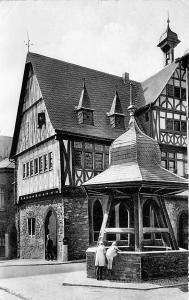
x=138, y=222
x=105, y=217
x=168, y=223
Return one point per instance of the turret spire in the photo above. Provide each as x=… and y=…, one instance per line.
x=168, y=41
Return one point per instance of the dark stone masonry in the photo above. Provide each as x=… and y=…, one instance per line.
x=137, y=266
x=71, y=223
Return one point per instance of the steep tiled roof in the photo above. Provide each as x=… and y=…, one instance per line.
x=61, y=85
x=154, y=85
x=135, y=157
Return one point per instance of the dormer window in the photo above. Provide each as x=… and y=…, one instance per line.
x=84, y=110
x=116, y=116
x=41, y=120
x=85, y=116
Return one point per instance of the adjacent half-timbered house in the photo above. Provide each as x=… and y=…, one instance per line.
x=164, y=117
x=67, y=117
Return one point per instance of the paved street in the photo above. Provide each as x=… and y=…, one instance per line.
x=49, y=287
x=21, y=268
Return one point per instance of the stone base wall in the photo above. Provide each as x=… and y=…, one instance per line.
x=164, y=264
x=72, y=224
x=135, y=266
x=76, y=226
x=34, y=247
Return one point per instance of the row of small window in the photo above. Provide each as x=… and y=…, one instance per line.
x=175, y=162
x=176, y=92
x=89, y=160
x=38, y=165
x=176, y=125
x=173, y=122
x=91, y=156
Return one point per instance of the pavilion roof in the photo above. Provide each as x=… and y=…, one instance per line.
x=136, y=158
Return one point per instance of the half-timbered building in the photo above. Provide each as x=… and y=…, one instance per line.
x=67, y=118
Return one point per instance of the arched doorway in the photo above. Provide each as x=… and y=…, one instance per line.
x=183, y=230
x=51, y=229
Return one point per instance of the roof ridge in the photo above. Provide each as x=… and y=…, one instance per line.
x=163, y=69
x=87, y=68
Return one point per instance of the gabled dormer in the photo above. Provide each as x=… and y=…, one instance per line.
x=84, y=110
x=115, y=114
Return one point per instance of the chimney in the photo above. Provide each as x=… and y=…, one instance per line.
x=125, y=77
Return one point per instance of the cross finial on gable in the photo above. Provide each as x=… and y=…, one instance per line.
x=168, y=20
x=28, y=43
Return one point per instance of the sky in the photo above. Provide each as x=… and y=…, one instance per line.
x=114, y=36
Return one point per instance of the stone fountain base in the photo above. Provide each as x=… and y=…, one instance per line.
x=137, y=266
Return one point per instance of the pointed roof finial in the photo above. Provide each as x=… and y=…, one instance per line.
x=83, y=82
x=28, y=43
x=168, y=20
x=131, y=107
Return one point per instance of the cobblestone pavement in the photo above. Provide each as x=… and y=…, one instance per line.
x=49, y=287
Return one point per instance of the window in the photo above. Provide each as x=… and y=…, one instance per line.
x=183, y=126
x=2, y=198
x=175, y=162
x=31, y=226
x=169, y=124
x=27, y=169
x=41, y=119
x=98, y=161
x=31, y=168
x=176, y=125
x=36, y=166
x=45, y=162
x=78, y=158
x=183, y=93
x=40, y=164
x=106, y=161
x=88, y=117
x=50, y=160
x=85, y=117
x=88, y=160
x=117, y=121
x=170, y=92
x=24, y=170
x=177, y=92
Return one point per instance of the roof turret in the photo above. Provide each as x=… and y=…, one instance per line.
x=168, y=41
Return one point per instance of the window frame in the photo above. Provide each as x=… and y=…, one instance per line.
x=31, y=226
x=2, y=198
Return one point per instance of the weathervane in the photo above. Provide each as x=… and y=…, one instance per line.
x=28, y=43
